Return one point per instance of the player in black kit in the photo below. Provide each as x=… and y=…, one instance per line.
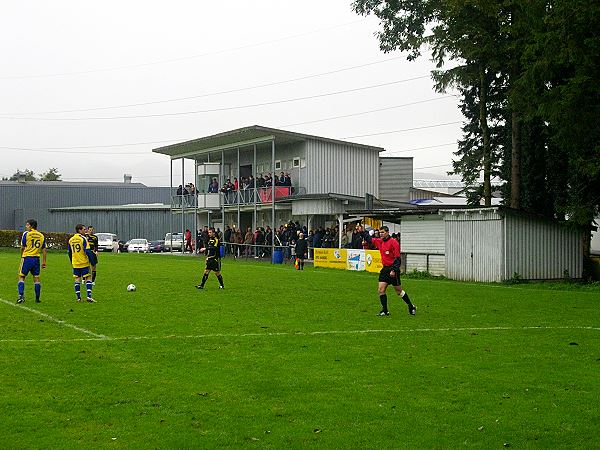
x=213, y=259
x=93, y=243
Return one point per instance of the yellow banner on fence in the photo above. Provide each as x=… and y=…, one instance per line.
x=348, y=259
x=330, y=257
x=373, y=261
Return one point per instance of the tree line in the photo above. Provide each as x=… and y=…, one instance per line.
x=527, y=75
x=28, y=175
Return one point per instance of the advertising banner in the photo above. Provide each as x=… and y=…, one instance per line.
x=334, y=258
x=348, y=259
x=356, y=259
x=373, y=261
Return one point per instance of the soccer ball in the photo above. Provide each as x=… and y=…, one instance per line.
x=131, y=287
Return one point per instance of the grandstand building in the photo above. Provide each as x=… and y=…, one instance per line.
x=328, y=178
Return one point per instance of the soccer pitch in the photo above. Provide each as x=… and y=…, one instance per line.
x=290, y=359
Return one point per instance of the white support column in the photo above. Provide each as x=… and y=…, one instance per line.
x=171, y=216
x=183, y=200
x=340, y=229
x=273, y=198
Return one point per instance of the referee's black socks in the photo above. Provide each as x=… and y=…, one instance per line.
x=220, y=278
x=383, y=300
x=404, y=297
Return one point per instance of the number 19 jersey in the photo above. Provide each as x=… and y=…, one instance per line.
x=77, y=250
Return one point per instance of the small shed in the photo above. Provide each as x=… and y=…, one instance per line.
x=489, y=244
x=497, y=244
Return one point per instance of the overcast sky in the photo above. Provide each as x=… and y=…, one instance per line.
x=90, y=88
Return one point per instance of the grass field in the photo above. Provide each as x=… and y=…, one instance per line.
x=288, y=359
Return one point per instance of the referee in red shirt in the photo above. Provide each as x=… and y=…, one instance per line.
x=390, y=273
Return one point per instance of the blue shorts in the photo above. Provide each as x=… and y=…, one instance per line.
x=30, y=264
x=83, y=272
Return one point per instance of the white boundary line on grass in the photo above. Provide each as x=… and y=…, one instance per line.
x=52, y=319
x=300, y=333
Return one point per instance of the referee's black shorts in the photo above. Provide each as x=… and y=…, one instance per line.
x=213, y=264
x=385, y=277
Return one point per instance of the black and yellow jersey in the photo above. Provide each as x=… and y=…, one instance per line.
x=212, y=248
x=93, y=242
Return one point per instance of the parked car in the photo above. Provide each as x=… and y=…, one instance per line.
x=107, y=242
x=123, y=245
x=138, y=245
x=177, y=242
x=157, y=246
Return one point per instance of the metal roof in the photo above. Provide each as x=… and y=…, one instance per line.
x=246, y=136
x=71, y=184
x=457, y=184
x=130, y=207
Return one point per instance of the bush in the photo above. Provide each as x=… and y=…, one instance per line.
x=9, y=238
x=56, y=241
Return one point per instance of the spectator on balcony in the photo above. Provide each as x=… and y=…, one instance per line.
x=250, y=189
x=227, y=191
x=236, y=184
x=287, y=182
x=213, y=188
x=260, y=181
x=268, y=180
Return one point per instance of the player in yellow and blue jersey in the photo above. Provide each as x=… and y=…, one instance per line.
x=33, y=243
x=79, y=254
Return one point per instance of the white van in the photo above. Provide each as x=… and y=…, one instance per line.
x=177, y=242
x=107, y=242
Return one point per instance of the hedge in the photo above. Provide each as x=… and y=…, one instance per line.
x=56, y=241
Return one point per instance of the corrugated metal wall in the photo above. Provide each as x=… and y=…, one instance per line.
x=127, y=224
x=395, y=178
x=20, y=201
x=489, y=245
x=542, y=250
x=422, y=236
x=341, y=169
x=474, y=246
x=318, y=207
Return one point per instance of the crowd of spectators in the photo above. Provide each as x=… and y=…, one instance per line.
x=237, y=191
x=257, y=243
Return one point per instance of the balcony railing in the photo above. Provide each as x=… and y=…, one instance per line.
x=233, y=198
